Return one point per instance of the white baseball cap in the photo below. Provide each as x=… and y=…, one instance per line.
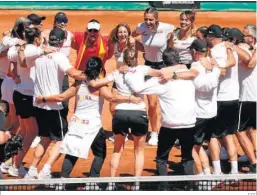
x=93, y=25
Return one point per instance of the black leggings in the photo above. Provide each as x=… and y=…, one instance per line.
x=98, y=148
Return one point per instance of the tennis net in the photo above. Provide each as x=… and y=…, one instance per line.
x=231, y=182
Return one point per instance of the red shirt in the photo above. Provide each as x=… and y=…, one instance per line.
x=91, y=51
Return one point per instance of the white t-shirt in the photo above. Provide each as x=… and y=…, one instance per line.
x=66, y=48
x=206, y=84
x=177, y=99
x=125, y=90
x=154, y=42
x=181, y=46
x=26, y=86
x=49, y=74
x=8, y=42
x=12, y=54
x=5, y=44
x=228, y=88
x=247, y=81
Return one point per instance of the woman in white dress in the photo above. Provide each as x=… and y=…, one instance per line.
x=85, y=127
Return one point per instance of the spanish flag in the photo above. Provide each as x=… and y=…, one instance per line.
x=84, y=52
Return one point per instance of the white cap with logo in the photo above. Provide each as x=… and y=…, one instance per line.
x=93, y=25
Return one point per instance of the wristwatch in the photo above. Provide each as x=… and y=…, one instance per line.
x=174, y=76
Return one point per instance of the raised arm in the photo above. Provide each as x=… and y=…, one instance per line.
x=252, y=62
x=135, y=34
x=242, y=53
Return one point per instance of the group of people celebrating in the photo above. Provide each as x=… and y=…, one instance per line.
x=203, y=80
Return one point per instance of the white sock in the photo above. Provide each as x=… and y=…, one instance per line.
x=207, y=171
x=216, y=166
x=32, y=168
x=234, y=166
x=47, y=168
x=200, y=173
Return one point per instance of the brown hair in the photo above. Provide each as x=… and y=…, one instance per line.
x=128, y=55
x=190, y=15
x=152, y=10
x=114, y=32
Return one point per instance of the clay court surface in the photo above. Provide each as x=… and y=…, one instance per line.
x=108, y=20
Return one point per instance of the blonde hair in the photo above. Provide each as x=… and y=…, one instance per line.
x=114, y=32
x=130, y=54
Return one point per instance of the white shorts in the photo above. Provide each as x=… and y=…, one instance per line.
x=7, y=89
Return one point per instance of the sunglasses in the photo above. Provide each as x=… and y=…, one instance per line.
x=93, y=30
x=61, y=20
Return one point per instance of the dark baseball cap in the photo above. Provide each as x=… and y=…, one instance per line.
x=225, y=33
x=36, y=19
x=57, y=34
x=235, y=33
x=199, y=45
x=61, y=17
x=215, y=30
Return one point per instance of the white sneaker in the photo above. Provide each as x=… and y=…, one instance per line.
x=35, y=142
x=153, y=141
x=48, y=176
x=31, y=174
x=112, y=138
x=21, y=172
x=44, y=175
x=223, y=154
x=5, y=166
x=243, y=158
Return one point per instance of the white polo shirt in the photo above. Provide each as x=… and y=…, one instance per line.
x=125, y=90
x=248, y=81
x=26, y=86
x=206, y=84
x=5, y=44
x=228, y=89
x=154, y=42
x=177, y=99
x=49, y=74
